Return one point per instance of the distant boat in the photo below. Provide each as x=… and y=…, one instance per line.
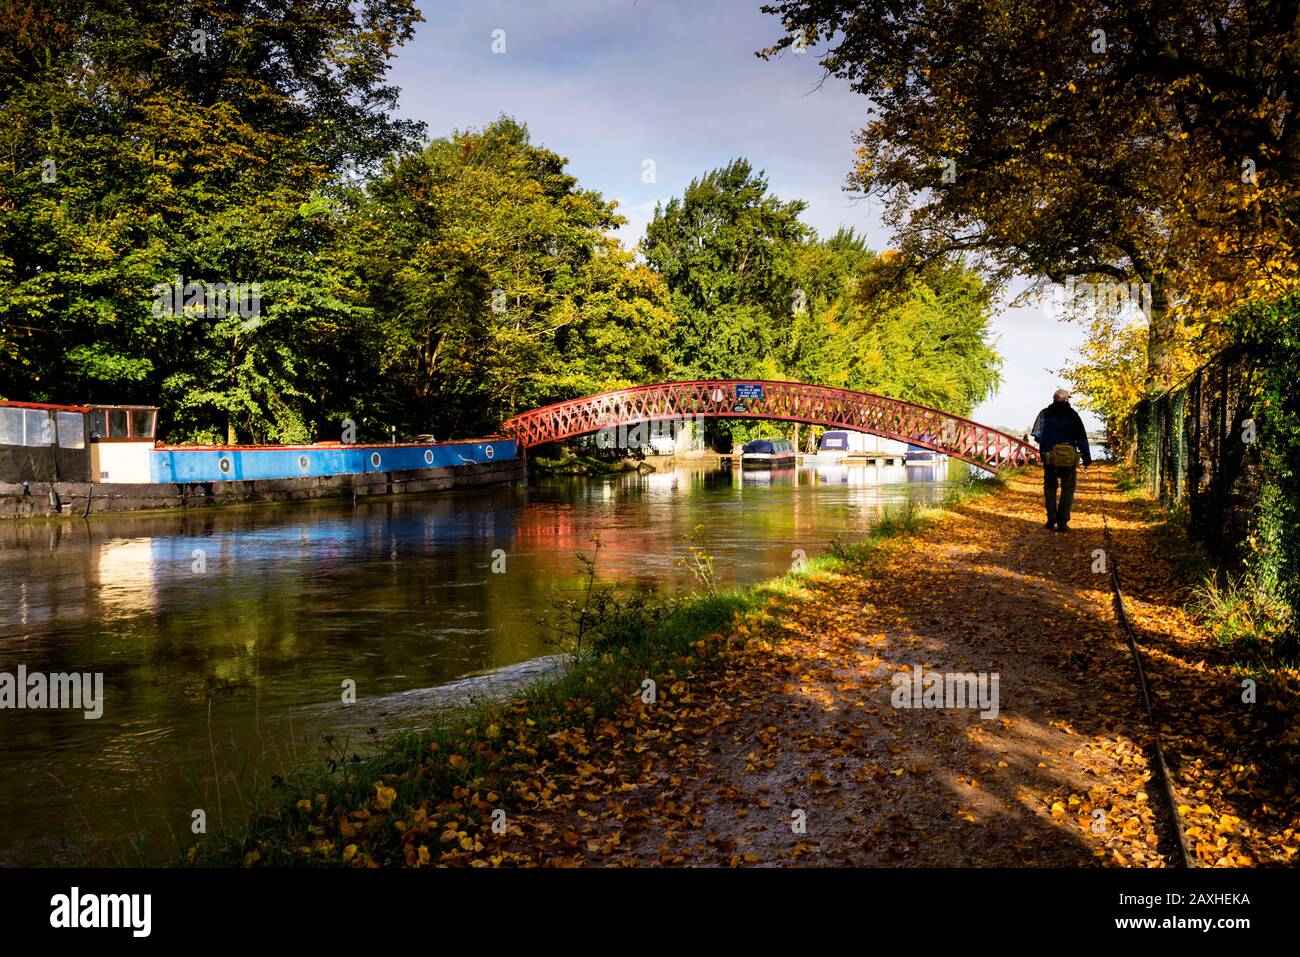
x=839, y=443
x=845, y=445
x=768, y=453
x=919, y=455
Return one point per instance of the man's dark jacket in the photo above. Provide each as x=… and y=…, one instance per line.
x=1059, y=423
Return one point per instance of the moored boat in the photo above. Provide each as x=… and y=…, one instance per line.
x=110, y=453
x=845, y=445
x=919, y=455
x=767, y=453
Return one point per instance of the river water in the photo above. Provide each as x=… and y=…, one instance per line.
x=225, y=637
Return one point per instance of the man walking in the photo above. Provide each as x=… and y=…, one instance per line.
x=1063, y=444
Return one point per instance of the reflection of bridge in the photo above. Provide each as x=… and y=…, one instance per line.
x=783, y=401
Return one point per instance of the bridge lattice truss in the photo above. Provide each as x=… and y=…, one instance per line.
x=782, y=401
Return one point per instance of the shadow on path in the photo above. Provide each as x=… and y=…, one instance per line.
x=796, y=754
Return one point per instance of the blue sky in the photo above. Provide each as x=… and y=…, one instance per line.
x=613, y=83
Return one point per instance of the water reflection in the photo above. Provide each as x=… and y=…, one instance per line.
x=233, y=630
x=124, y=575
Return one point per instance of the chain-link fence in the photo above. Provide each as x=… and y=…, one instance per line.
x=1194, y=447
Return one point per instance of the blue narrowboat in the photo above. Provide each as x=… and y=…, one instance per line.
x=118, y=444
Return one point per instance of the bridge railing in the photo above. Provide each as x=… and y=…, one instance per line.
x=780, y=401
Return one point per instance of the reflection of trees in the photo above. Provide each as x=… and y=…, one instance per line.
x=396, y=595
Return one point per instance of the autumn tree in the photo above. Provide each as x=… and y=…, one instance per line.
x=1146, y=142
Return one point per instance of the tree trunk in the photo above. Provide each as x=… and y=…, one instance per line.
x=1161, y=326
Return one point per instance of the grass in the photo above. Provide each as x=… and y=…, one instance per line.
x=1187, y=557
x=1245, y=615
x=471, y=763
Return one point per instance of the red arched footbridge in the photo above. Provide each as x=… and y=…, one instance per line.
x=782, y=401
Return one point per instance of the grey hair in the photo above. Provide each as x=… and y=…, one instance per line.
x=1060, y=394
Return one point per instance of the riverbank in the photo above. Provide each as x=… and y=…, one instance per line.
x=571, y=462
x=770, y=735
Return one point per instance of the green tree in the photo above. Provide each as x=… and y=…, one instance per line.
x=496, y=286
x=149, y=140
x=726, y=241
x=758, y=295
x=727, y=250
x=927, y=342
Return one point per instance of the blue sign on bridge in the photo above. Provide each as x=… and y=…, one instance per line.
x=749, y=391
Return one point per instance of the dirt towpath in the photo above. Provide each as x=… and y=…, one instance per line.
x=796, y=753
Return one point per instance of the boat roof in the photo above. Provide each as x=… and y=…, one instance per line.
x=332, y=445
x=5, y=403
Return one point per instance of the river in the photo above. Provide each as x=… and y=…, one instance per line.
x=225, y=637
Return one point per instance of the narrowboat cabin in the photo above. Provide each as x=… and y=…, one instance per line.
x=122, y=438
x=76, y=443
x=43, y=443
x=767, y=453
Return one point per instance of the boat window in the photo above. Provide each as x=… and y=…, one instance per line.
x=39, y=429
x=72, y=430
x=142, y=421
x=11, y=426
x=117, y=424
